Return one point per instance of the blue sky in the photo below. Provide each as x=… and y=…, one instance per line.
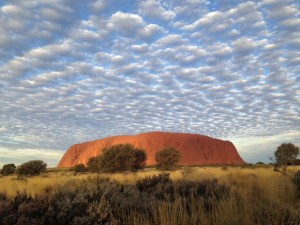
x=73, y=71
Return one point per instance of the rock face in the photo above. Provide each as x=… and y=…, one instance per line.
x=195, y=149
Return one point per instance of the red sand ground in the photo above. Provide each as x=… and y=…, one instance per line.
x=195, y=149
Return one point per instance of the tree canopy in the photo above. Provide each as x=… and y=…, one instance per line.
x=31, y=168
x=79, y=168
x=167, y=158
x=286, y=153
x=8, y=169
x=118, y=158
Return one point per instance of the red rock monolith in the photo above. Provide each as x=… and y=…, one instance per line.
x=195, y=149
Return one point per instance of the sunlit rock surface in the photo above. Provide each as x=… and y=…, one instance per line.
x=195, y=149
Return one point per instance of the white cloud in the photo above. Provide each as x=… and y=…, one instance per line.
x=254, y=149
x=207, y=20
x=283, y=12
x=273, y=2
x=171, y=40
x=231, y=73
x=150, y=30
x=11, y=9
x=243, y=9
x=291, y=22
x=153, y=9
x=19, y=156
x=220, y=49
x=189, y=10
x=127, y=23
x=140, y=48
x=98, y=5
x=87, y=35
x=244, y=45
x=295, y=42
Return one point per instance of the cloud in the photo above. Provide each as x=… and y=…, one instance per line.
x=207, y=20
x=24, y=21
x=254, y=149
x=128, y=23
x=97, y=6
x=19, y=156
x=244, y=45
x=150, y=31
x=170, y=40
x=283, y=12
x=76, y=72
x=154, y=10
x=291, y=23
x=140, y=48
x=187, y=10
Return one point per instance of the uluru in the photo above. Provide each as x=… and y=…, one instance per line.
x=195, y=149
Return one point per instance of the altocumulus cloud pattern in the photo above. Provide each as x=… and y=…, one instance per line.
x=73, y=71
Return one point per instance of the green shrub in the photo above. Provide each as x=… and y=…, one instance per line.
x=126, y=199
x=140, y=158
x=23, y=209
x=285, y=154
x=31, y=168
x=152, y=200
x=118, y=158
x=8, y=169
x=80, y=168
x=150, y=183
x=167, y=158
x=94, y=164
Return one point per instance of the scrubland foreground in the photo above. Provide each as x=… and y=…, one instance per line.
x=205, y=195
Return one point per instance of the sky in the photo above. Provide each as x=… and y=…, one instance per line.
x=73, y=71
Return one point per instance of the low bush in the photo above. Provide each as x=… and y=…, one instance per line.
x=31, y=168
x=159, y=187
x=167, y=158
x=152, y=200
x=149, y=184
x=118, y=158
x=94, y=164
x=70, y=203
x=8, y=169
x=23, y=209
x=80, y=168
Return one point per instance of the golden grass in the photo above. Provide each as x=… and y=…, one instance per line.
x=256, y=195
x=35, y=185
x=272, y=183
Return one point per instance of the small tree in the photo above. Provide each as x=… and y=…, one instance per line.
x=140, y=158
x=8, y=169
x=94, y=164
x=120, y=157
x=167, y=158
x=31, y=168
x=80, y=168
x=285, y=154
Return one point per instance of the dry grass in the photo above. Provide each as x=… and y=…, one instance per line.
x=35, y=185
x=255, y=195
x=272, y=183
